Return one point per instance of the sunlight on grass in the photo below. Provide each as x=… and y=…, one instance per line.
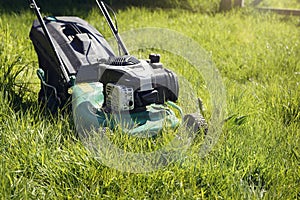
x=280, y=4
x=257, y=156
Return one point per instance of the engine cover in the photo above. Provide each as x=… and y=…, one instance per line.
x=119, y=97
x=150, y=82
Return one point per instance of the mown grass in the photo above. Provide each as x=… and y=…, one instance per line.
x=256, y=158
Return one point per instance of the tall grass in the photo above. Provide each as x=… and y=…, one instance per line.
x=16, y=58
x=258, y=153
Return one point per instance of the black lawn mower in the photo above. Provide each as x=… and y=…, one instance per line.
x=78, y=67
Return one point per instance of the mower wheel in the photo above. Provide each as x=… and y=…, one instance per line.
x=196, y=123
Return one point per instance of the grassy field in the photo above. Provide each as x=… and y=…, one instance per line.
x=258, y=157
x=281, y=4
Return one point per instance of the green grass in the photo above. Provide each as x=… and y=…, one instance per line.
x=258, y=58
x=57, y=7
x=281, y=4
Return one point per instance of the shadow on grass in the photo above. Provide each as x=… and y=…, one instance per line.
x=82, y=8
x=56, y=7
x=71, y=7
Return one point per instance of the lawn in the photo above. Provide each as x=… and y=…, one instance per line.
x=257, y=154
x=281, y=4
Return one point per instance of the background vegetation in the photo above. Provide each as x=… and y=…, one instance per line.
x=281, y=4
x=256, y=158
x=69, y=6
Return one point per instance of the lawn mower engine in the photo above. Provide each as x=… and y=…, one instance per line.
x=125, y=91
x=79, y=68
x=131, y=84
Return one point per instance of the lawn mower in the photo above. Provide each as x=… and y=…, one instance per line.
x=78, y=67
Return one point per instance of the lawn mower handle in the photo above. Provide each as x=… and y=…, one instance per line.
x=48, y=36
x=113, y=28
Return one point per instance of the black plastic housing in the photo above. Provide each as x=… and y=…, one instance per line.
x=87, y=56
x=150, y=81
x=77, y=43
